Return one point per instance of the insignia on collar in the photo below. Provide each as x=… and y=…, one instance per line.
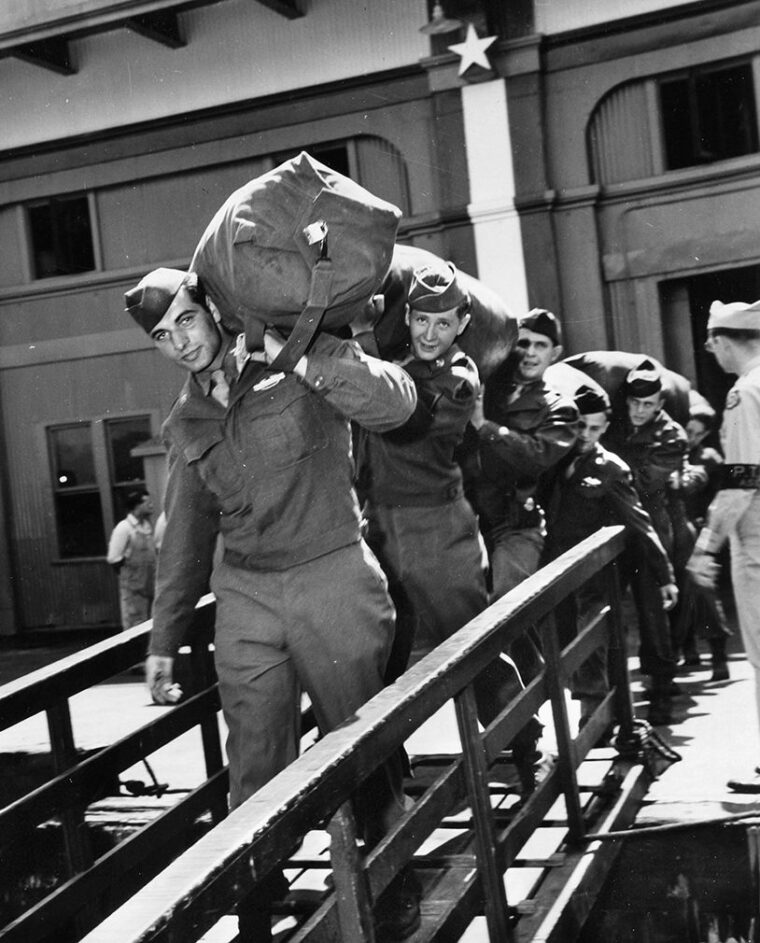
x=732, y=399
x=266, y=383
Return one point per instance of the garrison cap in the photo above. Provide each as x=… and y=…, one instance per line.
x=541, y=321
x=589, y=400
x=435, y=288
x=149, y=300
x=735, y=316
x=643, y=380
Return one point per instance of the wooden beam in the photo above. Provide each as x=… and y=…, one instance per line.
x=290, y=9
x=161, y=27
x=53, y=53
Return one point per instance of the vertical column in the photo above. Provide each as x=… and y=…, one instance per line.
x=496, y=224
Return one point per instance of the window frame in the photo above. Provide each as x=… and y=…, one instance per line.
x=692, y=76
x=28, y=248
x=104, y=483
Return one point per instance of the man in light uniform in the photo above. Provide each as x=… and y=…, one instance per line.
x=733, y=338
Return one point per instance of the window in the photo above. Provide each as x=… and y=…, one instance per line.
x=92, y=470
x=334, y=155
x=61, y=236
x=708, y=115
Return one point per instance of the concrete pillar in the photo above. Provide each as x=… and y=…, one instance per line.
x=496, y=224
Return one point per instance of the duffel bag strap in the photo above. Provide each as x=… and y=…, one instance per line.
x=310, y=318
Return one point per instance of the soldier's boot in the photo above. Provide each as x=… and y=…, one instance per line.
x=526, y=755
x=719, y=663
x=660, y=703
x=255, y=910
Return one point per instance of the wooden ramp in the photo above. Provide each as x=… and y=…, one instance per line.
x=491, y=867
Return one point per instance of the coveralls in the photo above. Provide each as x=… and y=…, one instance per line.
x=131, y=544
x=525, y=434
x=423, y=529
x=590, y=490
x=301, y=601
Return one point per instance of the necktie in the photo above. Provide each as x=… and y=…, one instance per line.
x=220, y=388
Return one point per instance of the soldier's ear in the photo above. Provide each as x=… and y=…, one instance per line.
x=463, y=322
x=406, y=314
x=214, y=311
x=556, y=352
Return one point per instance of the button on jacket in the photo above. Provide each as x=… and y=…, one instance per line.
x=273, y=471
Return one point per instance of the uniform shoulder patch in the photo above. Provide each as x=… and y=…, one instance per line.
x=732, y=399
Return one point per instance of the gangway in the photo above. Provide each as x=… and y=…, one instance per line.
x=460, y=835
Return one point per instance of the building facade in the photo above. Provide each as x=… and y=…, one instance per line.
x=598, y=158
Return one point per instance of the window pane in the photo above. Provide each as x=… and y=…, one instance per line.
x=727, y=113
x=73, y=462
x=678, y=129
x=709, y=115
x=80, y=524
x=61, y=236
x=123, y=436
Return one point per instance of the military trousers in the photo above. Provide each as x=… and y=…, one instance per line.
x=324, y=627
x=745, y=576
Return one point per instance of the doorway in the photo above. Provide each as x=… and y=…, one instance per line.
x=685, y=305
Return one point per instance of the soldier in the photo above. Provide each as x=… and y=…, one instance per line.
x=733, y=338
x=265, y=458
x=653, y=445
x=524, y=427
x=702, y=612
x=591, y=488
x=420, y=525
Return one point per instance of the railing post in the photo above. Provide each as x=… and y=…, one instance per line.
x=351, y=894
x=618, y=658
x=476, y=776
x=76, y=838
x=553, y=679
x=203, y=676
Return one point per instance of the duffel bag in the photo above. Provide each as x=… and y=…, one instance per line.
x=610, y=367
x=300, y=245
x=488, y=338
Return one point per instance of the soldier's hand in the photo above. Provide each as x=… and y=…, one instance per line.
x=669, y=595
x=703, y=568
x=159, y=676
x=478, y=416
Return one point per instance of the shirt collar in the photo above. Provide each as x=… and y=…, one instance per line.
x=229, y=343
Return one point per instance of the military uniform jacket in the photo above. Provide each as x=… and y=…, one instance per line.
x=414, y=465
x=519, y=442
x=653, y=452
x=273, y=471
x=595, y=489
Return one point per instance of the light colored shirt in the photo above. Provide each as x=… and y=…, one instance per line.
x=119, y=546
x=740, y=439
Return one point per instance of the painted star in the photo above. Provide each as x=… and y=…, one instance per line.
x=473, y=50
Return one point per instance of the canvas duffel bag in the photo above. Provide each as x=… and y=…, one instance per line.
x=300, y=248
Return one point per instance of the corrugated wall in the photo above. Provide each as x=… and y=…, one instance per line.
x=620, y=139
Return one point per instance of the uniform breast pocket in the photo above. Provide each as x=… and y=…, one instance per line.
x=218, y=465
x=289, y=430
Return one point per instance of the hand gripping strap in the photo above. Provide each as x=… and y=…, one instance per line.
x=309, y=319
